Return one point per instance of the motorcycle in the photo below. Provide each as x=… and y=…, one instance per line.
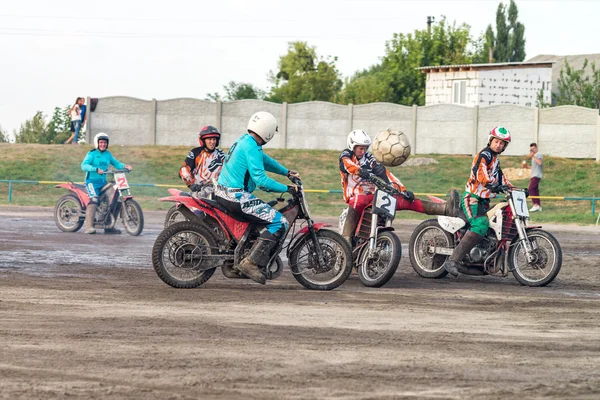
x=186, y=254
x=376, y=249
x=69, y=212
x=533, y=255
x=174, y=215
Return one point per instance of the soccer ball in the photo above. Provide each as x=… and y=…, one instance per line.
x=391, y=147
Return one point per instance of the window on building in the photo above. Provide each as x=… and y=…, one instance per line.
x=459, y=92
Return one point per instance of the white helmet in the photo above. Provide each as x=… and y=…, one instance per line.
x=263, y=124
x=101, y=136
x=358, y=138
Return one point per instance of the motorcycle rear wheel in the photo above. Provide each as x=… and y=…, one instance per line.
x=181, y=255
x=132, y=217
x=377, y=271
x=174, y=216
x=338, y=259
x=547, y=263
x=67, y=213
x=426, y=263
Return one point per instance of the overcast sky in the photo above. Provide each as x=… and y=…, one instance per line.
x=53, y=51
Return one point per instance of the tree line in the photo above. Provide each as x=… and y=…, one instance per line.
x=304, y=75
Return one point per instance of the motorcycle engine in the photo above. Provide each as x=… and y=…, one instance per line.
x=483, y=249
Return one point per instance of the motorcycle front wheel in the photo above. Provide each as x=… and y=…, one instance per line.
x=546, y=263
x=133, y=218
x=377, y=270
x=337, y=256
x=183, y=255
x=428, y=236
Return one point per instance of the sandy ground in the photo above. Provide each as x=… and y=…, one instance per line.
x=85, y=316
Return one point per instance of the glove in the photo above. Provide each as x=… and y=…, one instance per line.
x=408, y=195
x=293, y=189
x=293, y=174
x=364, y=173
x=526, y=191
x=196, y=187
x=494, y=188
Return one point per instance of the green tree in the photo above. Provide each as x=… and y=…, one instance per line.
x=59, y=128
x=575, y=87
x=3, y=135
x=397, y=78
x=33, y=130
x=303, y=76
x=508, y=41
x=240, y=91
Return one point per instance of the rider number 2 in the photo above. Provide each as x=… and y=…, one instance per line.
x=386, y=203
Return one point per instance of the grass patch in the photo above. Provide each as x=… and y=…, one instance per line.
x=319, y=169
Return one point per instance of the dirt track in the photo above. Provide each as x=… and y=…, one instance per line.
x=86, y=317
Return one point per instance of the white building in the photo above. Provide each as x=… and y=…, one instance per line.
x=486, y=84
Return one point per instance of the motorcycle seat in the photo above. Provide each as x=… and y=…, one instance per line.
x=215, y=204
x=80, y=187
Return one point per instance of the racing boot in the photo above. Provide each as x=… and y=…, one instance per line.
x=449, y=208
x=259, y=255
x=350, y=224
x=90, y=213
x=452, y=264
x=112, y=231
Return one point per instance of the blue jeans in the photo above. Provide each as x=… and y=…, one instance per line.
x=75, y=127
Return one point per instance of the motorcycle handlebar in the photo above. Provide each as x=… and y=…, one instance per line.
x=117, y=171
x=386, y=187
x=295, y=180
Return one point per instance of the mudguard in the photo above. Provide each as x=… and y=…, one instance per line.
x=294, y=241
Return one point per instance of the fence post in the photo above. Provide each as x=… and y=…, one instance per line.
x=598, y=139
x=283, y=131
x=153, y=122
x=413, y=129
x=475, y=128
x=9, y=192
x=350, y=117
x=218, y=114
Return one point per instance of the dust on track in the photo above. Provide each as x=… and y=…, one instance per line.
x=86, y=317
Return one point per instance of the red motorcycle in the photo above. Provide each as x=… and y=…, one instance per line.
x=69, y=212
x=186, y=254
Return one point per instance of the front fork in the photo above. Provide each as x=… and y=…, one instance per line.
x=523, y=238
x=373, y=233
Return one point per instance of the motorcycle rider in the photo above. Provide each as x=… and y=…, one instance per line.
x=484, y=183
x=356, y=164
x=203, y=163
x=244, y=171
x=95, y=164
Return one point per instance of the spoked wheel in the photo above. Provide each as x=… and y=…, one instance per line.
x=425, y=239
x=377, y=270
x=133, y=218
x=173, y=216
x=185, y=255
x=336, y=267
x=546, y=263
x=68, y=213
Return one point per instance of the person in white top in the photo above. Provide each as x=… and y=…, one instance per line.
x=75, y=114
x=536, y=176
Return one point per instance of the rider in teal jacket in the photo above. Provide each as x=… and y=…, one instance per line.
x=245, y=170
x=95, y=164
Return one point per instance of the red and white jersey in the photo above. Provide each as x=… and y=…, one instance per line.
x=485, y=171
x=201, y=166
x=352, y=183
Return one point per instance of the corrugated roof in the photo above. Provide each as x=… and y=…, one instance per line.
x=475, y=66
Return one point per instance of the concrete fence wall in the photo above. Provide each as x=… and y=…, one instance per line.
x=567, y=131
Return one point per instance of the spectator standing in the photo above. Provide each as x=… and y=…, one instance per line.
x=83, y=108
x=536, y=176
x=75, y=115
